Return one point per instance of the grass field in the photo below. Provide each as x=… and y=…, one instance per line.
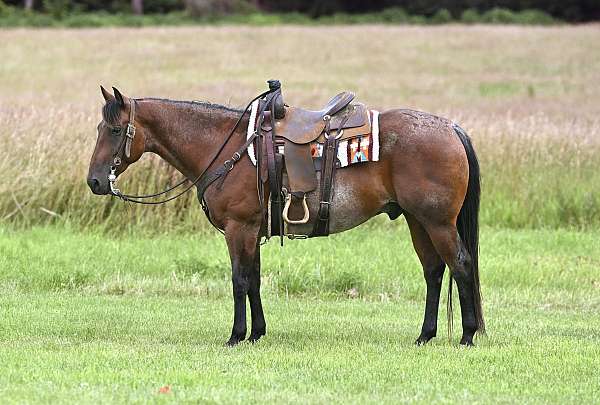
x=88, y=318
x=106, y=302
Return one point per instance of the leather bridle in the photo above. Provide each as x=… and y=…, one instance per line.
x=203, y=181
x=126, y=134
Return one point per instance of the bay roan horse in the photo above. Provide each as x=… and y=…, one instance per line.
x=428, y=172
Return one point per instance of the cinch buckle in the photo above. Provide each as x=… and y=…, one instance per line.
x=295, y=236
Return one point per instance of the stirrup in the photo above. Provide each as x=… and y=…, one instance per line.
x=288, y=201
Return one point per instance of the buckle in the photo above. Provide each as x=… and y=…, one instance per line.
x=229, y=164
x=130, y=133
x=293, y=236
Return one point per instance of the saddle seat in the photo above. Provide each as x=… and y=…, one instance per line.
x=333, y=106
x=301, y=126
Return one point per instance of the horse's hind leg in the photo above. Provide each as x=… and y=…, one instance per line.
x=433, y=271
x=448, y=244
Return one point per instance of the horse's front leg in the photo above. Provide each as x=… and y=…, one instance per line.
x=243, y=248
x=259, y=327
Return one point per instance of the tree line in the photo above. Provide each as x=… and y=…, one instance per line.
x=568, y=10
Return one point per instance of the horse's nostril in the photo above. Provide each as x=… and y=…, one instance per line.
x=93, y=183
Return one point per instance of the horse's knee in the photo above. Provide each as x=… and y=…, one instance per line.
x=241, y=285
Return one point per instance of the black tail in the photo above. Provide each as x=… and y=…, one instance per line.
x=468, y=224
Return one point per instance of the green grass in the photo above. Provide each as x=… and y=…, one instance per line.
x=86, y=317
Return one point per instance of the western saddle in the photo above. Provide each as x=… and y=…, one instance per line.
x=297, y=130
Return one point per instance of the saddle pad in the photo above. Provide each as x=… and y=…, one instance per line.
x=363, y=148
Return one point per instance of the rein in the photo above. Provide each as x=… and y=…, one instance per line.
x=207, y=177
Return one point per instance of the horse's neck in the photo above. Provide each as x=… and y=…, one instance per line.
x=187, y=135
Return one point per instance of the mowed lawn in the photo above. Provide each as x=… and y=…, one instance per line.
x=88, y=318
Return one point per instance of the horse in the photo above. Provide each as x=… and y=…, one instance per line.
x=427, y=171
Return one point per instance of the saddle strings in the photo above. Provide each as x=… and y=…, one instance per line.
x=136, y=199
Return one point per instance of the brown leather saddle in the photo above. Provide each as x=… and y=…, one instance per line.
x=297, y=130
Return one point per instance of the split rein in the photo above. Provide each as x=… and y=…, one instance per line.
x=128, y=133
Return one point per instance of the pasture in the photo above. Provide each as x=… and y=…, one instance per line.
x=82, y=325
x=106, y=302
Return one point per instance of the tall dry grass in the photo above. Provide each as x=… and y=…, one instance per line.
x=527, y=96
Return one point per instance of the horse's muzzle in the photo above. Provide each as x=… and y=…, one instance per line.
x=97, y=186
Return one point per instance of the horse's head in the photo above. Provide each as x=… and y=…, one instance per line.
x=120, y=141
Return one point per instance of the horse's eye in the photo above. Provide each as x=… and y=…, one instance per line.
x=116, y=130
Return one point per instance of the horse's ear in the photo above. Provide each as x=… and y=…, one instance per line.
x=107, y=96
x=119, y=97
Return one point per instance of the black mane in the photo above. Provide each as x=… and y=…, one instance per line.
x=196, y=103
x=111, y=111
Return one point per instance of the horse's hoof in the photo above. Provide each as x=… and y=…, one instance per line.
x=232, y=342
x=468, y=342
x=421, y=341
x=255, y=337
x=424, y=338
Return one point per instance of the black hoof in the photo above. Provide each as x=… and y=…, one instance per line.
x=424, y=338
x=421, y=341
x=468, y=342
x=233, y=341
x=255, y=337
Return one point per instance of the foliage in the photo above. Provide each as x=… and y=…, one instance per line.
x=442, y=16
x=5, y=10
x=59, y=13
x=569, y=10
x=56, y=8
